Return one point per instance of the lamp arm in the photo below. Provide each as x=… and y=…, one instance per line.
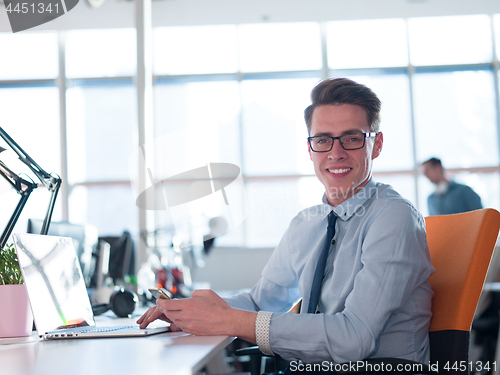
x=50, y=181
x=17, y=183
x=50, y=209
x=15, y=216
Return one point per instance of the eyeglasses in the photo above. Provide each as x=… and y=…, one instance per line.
x=354, y=141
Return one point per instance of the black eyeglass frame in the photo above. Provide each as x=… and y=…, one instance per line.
x=366, y=135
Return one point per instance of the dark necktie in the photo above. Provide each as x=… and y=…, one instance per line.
x=320, y=268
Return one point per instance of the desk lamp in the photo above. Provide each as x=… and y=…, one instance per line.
x=24, y=187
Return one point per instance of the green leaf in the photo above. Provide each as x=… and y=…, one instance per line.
x=10, y=271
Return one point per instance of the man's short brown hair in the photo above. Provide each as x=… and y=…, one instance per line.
x=435, y=162
x=336, y=91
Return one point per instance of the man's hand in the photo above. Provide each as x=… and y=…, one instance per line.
x=205, y=313
x=152, y=314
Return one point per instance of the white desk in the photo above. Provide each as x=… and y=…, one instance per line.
x=172, y=353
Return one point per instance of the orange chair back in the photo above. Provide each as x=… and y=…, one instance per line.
x=461, y=247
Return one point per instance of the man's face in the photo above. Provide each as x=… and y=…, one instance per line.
x=343, y=172
x=433, y=172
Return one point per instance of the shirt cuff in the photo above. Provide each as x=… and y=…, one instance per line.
x=262, y=332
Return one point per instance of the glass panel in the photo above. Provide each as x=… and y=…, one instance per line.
x=195, y=123
x=204, y=207
x=279, y=47
x=274, y=203
x=8, y=202
x=310, y=192
x=450, y=40
x=486, y=185
x=404, y=184
x=394, y=92
x=455, y=118
x=110, y=208
x=367, y=43
x=101, y=53
x=496, y=28
x=35, y=208
x=101, y=132
x=227, y=232
x=31, y=117
x=212, y=49
x=275, y=134
x=28, y=55
x=425, y=188
x=232, y=238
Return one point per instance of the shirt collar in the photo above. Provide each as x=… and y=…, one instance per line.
x=442, y=187
x=348, y=208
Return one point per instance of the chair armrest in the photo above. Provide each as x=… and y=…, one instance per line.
x=251, y=350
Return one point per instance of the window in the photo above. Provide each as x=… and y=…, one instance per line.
x=274, y=130
x=212, y=49
x=28, y=55
x=237, y=95
x=30, y=115
x=426, y=111
x=394, y=92
x=209, y=111
x=450, y=40
x=111, y=208
x=455, y=117
x=367, y=44
x=101, y=121
x=279, y=47
x=101, y=128
x=100, y=53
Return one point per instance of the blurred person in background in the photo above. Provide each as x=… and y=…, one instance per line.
x=449, y=197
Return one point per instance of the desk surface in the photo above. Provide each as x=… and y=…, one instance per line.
x=172, y=353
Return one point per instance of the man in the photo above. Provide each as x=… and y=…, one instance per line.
x=375, y=297
x=449, y=196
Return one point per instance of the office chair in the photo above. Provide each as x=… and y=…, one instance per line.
x=461, y=246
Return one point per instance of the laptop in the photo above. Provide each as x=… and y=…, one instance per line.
x=56, y=289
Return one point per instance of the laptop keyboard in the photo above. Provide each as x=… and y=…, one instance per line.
x=105, y=329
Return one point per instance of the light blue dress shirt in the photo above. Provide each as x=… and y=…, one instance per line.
x=375, y=300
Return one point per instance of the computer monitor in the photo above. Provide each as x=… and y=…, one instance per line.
x=121, y=256
x=84, y=237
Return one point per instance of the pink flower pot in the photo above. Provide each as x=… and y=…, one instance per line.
x=16, y=319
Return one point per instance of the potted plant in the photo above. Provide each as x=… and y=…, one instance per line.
x=16, y=319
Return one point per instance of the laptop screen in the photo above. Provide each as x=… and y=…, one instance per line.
x=54, y=281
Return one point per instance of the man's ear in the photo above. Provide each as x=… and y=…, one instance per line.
x=377, y=145
x=309, y=150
